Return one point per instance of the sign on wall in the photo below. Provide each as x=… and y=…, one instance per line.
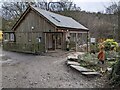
x=92, y=40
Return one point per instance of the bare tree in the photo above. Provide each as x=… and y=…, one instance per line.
x=112, y=9
x=15, y=9
x=63, y=5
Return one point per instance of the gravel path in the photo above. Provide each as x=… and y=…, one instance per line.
x=49, y=71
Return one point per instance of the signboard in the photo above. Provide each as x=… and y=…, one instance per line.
x=92, y=40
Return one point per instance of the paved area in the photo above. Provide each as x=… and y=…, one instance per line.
x=46, y=71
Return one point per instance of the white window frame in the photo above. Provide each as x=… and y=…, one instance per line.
x=12, y=37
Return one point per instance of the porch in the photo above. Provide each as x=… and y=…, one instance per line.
x=78, y=40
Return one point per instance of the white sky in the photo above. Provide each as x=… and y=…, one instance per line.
x=87, y=5
x=92, y=5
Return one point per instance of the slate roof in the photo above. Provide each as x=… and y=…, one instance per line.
x=60, y=20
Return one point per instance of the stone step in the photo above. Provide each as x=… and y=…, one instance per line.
x=111, y=59
x=109, y=69
x=1, y=55
x=71, y=57
x=5, y=61
x=72, y=63
x=90, y=73
x=80, y=69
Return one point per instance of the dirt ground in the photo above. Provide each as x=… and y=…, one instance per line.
x=21, y=70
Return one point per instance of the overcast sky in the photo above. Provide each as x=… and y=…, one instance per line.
x=87, y=5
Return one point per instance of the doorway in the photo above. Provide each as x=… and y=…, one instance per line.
x=54, y=41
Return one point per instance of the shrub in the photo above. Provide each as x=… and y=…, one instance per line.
x=115, y=74
x=94, y=48
x=109, y=43
x=118, y=49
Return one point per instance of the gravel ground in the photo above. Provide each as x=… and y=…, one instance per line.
x=46, y=71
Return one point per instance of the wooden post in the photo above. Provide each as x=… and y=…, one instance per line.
x=87, y=41
x=76, y=41
x=45, y=44
x=55, y=40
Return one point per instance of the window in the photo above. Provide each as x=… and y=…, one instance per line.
x=6, y=36
x=12, y=37
x=9, y=37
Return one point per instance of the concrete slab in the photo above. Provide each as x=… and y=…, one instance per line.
x=72, y=57
x=72, y=63
x=91, y=73
x=111, y=59
x=6, y=61
x=109, y=69
x=1, y=55
x=80, y=69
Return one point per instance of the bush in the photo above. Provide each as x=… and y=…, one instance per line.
x=109, y=44
x=115, y=74
x=118, y=50
x=94, y=48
